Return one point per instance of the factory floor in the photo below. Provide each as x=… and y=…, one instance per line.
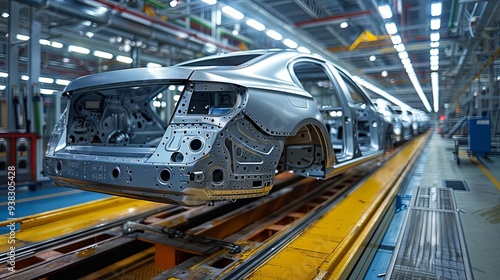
x=478, y=207
x=42, y=197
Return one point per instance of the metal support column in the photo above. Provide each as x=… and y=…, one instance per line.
x=34, y=62
x=34, y=98
x=12, y=64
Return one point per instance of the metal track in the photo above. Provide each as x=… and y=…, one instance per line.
x=228, y=220
x=329, y=193
x=48, y=244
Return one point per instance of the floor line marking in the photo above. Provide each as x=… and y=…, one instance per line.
x=43, y=197
x=486, y=172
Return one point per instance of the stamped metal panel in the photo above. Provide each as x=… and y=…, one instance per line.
x=432, y=244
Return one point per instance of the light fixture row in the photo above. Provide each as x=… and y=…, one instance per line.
x=392, y=29
x=44, y=80
x=379, y=91
x=237, y=15
x=435, y=24
x=78, y=49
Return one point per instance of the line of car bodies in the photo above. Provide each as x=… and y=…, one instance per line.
x=213, y=128
x=406, y=122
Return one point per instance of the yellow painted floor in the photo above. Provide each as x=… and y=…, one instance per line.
x=60, y=222
x=327, y=248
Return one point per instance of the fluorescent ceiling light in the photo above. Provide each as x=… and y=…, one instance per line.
x=303, y=49
x=289, y=43
x=256, y=25
x=344, y=24
x=56, y=45
x=232, y=12
x=273, y=34
x=211, y=48
x=435, y=23
x=372, y=58
x=153, y=65
x=53, y=44
x=434, y=62
x=62, y=82
x=210, y=2
x=435, y=90
x=25, y=77
x=47, y=91
x=22, y=37
x=103, y=54
x=45, y=80
x=434, y=67
x=391, y=28
x=124, y=59
x=435, y=36
x=400, y=47
x=384, y=73
x=2, y=87
x=403, y=55
x=434, y=44
x=434, y=58
x=436, y=9
x=44, y=42
x=396, y=39
x=385, y=11
x=5, y=15
x=434, y=51
x=4, y=75
x=405, y=61
x=73, y=48
x=407, y=67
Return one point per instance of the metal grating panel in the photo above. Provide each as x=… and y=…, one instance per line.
x=433, y=198
x=431, y=245
x=458, y=185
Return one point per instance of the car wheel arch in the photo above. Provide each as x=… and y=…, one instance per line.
x=311, y=137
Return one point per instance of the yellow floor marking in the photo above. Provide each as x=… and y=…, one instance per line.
x=486, y=172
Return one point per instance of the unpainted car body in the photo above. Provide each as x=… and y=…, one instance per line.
x=211, y=129
x=407, y=122
x=423, y=120
x=384, y=107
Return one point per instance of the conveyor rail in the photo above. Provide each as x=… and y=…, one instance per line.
x=254, y=225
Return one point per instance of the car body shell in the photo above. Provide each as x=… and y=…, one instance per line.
x=385, y=108
x=237, y=119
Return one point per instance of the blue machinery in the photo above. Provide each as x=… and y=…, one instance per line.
x=478, y=140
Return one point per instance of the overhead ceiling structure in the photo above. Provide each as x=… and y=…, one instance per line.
x=424, y=53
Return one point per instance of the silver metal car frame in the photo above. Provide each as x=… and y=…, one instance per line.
x=109, y=139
